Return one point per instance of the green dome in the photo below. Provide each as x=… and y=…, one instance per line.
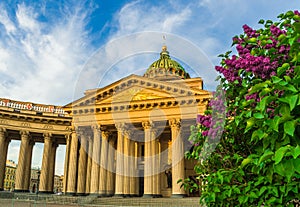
x=165, y=68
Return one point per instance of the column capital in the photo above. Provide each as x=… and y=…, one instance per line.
x=96, y=127
x=67, y=136
x=128, y=132
x=2, y=130
x=24, y=133
x=147, y=124
x=155, y=133
x=174, y=123
x=105, y=134
x=54, y=144
x=121, y=126
x=32, y=142
x=47, y=136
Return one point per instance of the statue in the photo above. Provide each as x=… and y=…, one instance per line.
x=169, y=178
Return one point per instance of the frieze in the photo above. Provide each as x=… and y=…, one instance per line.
x=31, y=106
x=47, y=126
x=4, y=122
x=25, y=124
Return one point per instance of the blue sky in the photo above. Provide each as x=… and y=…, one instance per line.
x=51, y=51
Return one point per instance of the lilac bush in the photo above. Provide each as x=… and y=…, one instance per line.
x=247, y=142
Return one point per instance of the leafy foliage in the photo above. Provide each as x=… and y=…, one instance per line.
x=255, y=161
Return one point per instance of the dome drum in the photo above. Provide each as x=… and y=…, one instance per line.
x=165, y=68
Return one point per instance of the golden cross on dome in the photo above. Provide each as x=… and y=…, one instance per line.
x=164, y=47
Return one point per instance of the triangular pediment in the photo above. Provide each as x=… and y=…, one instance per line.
x=135, y=88
x=135, y=93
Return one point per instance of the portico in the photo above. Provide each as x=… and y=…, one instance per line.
x=120, y=139
x=140, y=126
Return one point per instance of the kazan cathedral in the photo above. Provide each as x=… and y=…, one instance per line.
x=125, y=139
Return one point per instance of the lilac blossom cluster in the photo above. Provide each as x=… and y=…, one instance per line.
x=253, y=96
x=204, y=120
x=250, y=32
x=213, y=123
x=261, y=66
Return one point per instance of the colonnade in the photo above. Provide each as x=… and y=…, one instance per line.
x=23, y=171
x=104, y=162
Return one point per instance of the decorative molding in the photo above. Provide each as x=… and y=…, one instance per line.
x=121, y=127
x=175, y=123
x=147, y=124
x=48, y=126
x=47, y=135
x=4, y=122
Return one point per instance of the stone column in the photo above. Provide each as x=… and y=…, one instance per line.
x=21, y=168
x=132, y=167
x=28, y=166
x=155, y=154
x=66, y=167
x=72, y=174
x=3, y=153
x=82, y=166
x=110, y=167
x=51, y=175
x=44, y=179
x=127, y=166
x=96, y=160
x=157, y=162
x=103, y=162
x=177, y=158
x=153, y=162
x=119, y=190
x=89, y=164
x=148, y=184
x=136, y=174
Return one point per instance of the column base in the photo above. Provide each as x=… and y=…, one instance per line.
x=118, y=195
x=178, y=195
x=21, y=191
x=46, y=192
x=110, y=193
x=134, y=195
x=147, y=195
x=157, y=196
x=81, y=194
x=102, y=194
x=70, y=193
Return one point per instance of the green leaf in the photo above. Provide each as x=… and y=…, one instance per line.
x=275, y=79
x=246, y=162
x=291, y=100
x=289, y=127
x=262, y=190
x=273, y=123
x=285, y=169
x=261, y=21
x=258, y=87
x=296, y=163
x=258, y=115
x=290, y=88
x=250, y=123
x=295, y=152
x=280, y=71
x=279, y=154
x=268, y=154
x=258, y=133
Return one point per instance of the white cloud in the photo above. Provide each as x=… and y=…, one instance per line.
x=39, y=59
x=6, y=22
x=141, y=16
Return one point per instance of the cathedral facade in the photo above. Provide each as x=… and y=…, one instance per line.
x=125, y=139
